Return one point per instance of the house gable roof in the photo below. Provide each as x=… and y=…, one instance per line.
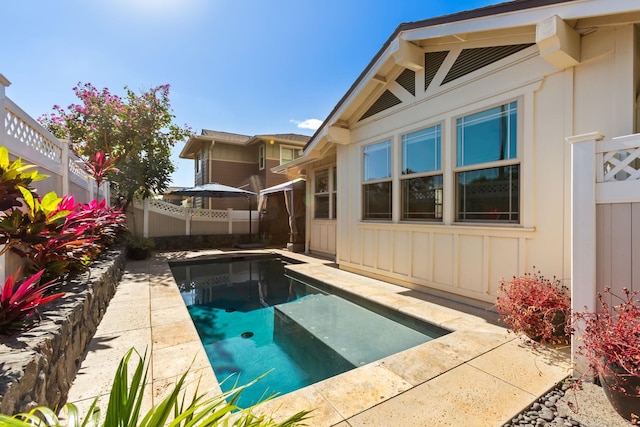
x=433, y=37
x=225, y=136
x=208, y=136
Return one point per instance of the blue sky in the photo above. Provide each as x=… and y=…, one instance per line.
x=250, y=67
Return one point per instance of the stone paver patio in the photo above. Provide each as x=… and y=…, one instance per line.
x=478, y=375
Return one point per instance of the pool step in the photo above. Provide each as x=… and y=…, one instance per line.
x=358, y=335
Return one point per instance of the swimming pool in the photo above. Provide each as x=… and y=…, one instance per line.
x=254, y=317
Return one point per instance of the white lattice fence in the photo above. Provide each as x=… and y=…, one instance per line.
x=618, y=170
x=228, y=220
x=24, y=137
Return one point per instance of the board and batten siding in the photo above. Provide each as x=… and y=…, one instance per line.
x=618, y=247
x=470, y=259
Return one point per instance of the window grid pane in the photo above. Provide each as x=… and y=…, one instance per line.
x=421, y=151
x=487, y=136
x=491, y=194
x=322, y=181
x=422, y=198
x=322, y=206
x=377, y=161
x=377, y=200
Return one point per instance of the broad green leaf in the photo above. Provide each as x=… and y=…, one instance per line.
x=4, y=157
x=50, y=201
x=28, y=198
x=58, y=215
x=37, y=176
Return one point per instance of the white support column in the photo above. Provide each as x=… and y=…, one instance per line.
x=229, y=214
x=3, y=267
x=3, y=84
x=145, y=218
x=583, y=232
x=64, y=166
x=187, y=217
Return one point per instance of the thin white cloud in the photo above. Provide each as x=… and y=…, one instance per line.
x=312, y=124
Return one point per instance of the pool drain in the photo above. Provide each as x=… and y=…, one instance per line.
x=246, y=334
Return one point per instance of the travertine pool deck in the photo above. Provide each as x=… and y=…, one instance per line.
x=478, y=375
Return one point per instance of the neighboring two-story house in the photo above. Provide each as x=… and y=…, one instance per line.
x=241, y=161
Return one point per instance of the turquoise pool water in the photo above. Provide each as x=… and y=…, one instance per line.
x=253, y=318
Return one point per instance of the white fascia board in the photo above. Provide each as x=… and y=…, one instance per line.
x=519, y=18
x=531, y=17
x=302, y=160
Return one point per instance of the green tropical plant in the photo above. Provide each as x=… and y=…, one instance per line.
x=20, y=300
x=29, y=226
x=13, y=176
x=175, y=410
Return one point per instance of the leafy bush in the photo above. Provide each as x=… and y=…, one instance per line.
x=536, y=307
x=611, y=335
x=20, y=300
x=125, y=402
x=30, y=225
x=73, y=245
x=13, y=176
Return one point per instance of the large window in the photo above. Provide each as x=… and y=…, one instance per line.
x=421, y=181
x=325, y=193
x=376, y=191
x=487, y=173
x=288, y=153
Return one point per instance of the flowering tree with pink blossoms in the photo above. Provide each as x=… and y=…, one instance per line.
x=136, y=131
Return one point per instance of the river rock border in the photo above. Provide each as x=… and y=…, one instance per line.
x=38, y=367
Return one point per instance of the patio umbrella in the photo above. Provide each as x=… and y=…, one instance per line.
x=213, y=189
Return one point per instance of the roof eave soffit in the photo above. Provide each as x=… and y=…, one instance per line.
x=194, y=145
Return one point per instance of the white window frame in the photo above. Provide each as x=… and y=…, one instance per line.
x=390, y=179
x=293, y=148
x=516, y=161
x=262, y=156
x=422, y=174
x=331, y=192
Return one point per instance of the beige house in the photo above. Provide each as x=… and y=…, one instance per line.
x=448, y=163
x=239, y=161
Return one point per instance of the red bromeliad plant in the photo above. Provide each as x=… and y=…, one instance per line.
x=536, y=307
x=100, y=166
x=20, y=300
x=104, y=223
x=70, y=248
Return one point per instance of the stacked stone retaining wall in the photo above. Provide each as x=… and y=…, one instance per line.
x=37, y=367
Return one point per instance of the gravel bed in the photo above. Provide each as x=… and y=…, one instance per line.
x=544, y=411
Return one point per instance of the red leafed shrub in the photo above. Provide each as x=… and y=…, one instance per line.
x=611, y=335
x=536, y=307
x=19, y=301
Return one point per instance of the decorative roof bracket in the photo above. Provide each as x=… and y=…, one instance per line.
x=559, y=44
x=407, y=54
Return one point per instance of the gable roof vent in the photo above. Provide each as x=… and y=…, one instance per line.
x=386, y=100
x=471, y=60
x=432, y=63
x=407, y=79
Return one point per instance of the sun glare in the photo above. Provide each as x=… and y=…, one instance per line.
x=160, y=9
